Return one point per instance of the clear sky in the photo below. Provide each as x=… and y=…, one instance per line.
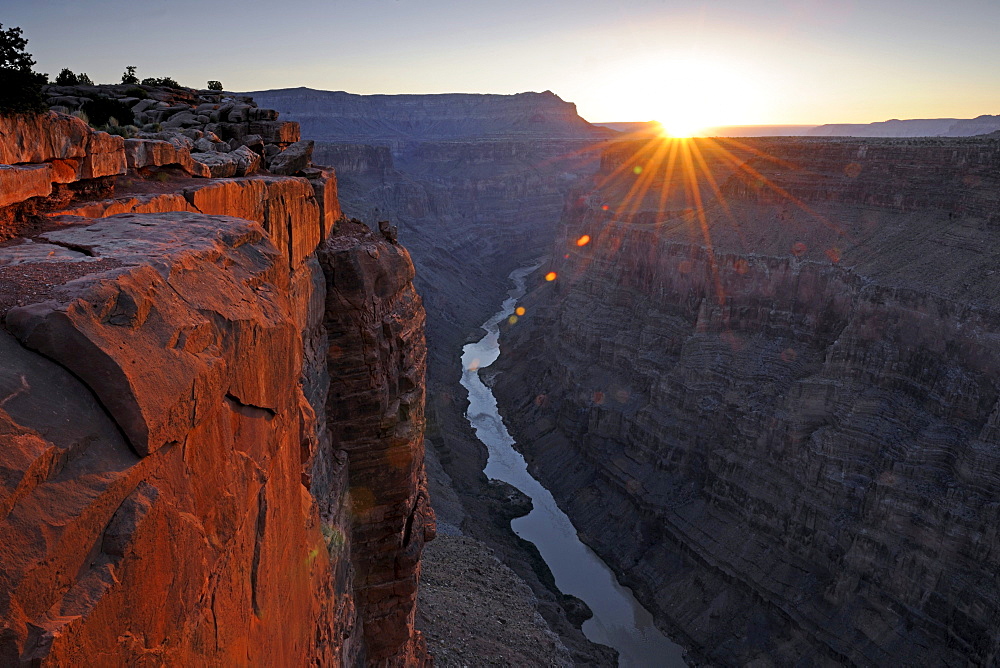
x=720, y=61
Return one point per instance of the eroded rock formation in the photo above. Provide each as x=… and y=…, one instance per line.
x=211, y=417
x=778, y=420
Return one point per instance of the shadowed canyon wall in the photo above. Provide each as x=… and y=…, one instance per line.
x=775, y=414
x=211, y=408
x=476, y=184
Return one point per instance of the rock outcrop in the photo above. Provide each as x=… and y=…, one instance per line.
x=768, y=395
x=211, y=408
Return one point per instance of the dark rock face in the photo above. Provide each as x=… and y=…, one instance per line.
x=375, y=411
x=778, y=421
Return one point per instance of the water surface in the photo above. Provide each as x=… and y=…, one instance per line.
x=619, y=620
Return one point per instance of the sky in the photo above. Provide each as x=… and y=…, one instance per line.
x=715, y=62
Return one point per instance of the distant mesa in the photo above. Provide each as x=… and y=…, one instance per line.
x=341, y=116
x=918, y=127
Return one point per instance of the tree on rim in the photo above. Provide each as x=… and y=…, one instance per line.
x=20, y=86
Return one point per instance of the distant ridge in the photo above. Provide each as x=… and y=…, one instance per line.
x=650, y=127
x=918, y=127
x=342, y=116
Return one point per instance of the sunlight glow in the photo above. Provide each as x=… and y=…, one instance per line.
x=687, y=96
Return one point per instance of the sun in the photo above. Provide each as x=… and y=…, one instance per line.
x=681, y=126
x=689, y=96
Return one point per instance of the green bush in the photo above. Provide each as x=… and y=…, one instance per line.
x=20, y=87
x=214, y=85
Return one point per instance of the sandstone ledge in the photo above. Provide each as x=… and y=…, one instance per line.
x=194, y=494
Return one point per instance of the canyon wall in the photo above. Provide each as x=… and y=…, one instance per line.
x=474, y=182
x=766, y=393
x=211, y=414
x=476, y=185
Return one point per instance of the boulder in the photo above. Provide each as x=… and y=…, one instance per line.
x=22, y=182
x=247, y=162
x=220, y=165
x=184, y=119
x=253, y=142
x=293, y=159
x=276, y=132
x=41, y=138
x=142, y=153
x=105, y=156
x=205, y=145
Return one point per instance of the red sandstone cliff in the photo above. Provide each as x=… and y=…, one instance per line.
x=211, y=416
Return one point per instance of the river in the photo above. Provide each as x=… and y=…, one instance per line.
x=619, y=620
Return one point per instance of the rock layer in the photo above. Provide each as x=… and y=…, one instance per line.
x=775, y=414
x=178, y=482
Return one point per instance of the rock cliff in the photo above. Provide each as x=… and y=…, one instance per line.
x=476, y=188
x=211, y=407
x=766, y=392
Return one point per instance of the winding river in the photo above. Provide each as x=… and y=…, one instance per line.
x=619, y=620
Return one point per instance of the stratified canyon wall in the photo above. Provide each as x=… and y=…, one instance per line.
x=476, y=185
x=211, y=403
x=776, y=414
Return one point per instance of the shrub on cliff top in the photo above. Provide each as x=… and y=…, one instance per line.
x=128, y=76
x=68, y=77
x=160, y=81
x=20, y=87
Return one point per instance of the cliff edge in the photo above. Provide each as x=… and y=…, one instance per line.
x=211, y=408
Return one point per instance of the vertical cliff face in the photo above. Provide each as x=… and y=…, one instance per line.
x=476, y=184
x=375, y=407
x=778, y=421
x=211, y=411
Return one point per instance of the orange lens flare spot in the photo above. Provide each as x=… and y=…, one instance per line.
x=519, y=310
x=637, y=169
x=584, y=240
x=799, y=249
x=604, y=208
x=551, y=276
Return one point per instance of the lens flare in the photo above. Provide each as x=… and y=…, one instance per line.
x=519, y=310
x=584, y=240
x=551, y=276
